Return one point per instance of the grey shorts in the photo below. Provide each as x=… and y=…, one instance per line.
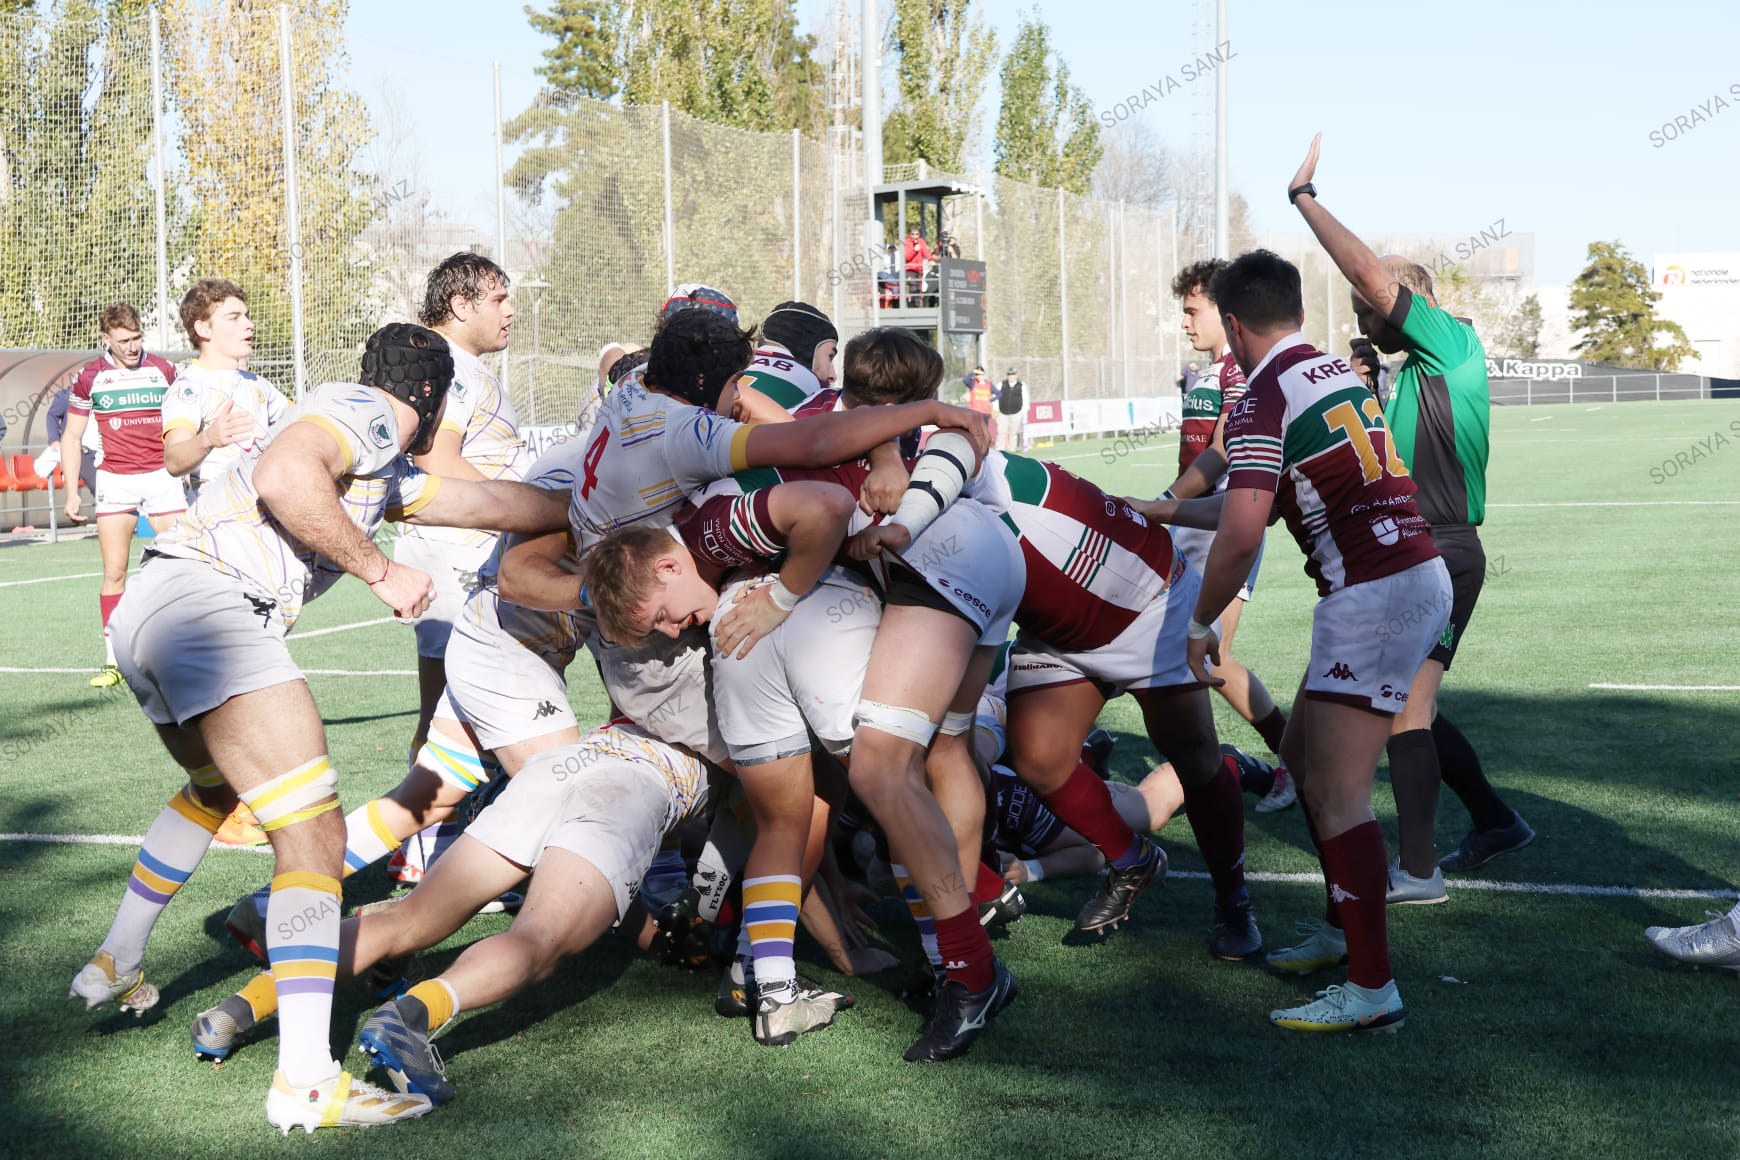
x=504, y=691
x=188, y=638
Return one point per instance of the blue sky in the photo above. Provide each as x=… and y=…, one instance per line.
x=1436, y=119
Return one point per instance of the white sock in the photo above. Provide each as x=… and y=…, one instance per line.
x=302, y=923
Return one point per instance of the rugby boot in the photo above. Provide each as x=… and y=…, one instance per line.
x=221, y=1029
x=396, y=1038
x=961, y=1016
x=1004, y=910
x=786, y=1012
x=1346, y=1008
x=339, y=1102
x=1482, y=846
x=1711, y=944
x=1235, y=937
x=1111, y=905
x=98, y=983
x=1323, y=946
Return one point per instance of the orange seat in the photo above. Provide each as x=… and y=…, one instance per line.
x=7, y=483
x=24, y=472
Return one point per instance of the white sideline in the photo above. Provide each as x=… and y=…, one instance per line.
x=48, y=579
x=1673, y=688
x=1258, y=876
x=296, y=636
x=306, y=672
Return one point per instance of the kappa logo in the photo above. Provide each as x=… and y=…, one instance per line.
x=1340, y=895
x=545, y=709
x=1340, y=672
x=262, y=608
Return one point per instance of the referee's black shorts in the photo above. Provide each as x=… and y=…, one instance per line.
x=1459, y=544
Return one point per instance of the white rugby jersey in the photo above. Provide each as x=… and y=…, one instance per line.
x=549, y=634
x=489, y=440
x=646, y=453
x=682, y=772
x=230, y=530
x=194, y=400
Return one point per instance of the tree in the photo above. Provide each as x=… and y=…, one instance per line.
x=944, y=53
x=77, y=226
x=1519, y=335
x=1613, y=305
x=583, y=59
x=1046, y=131
x=1134, y=167
x=221, y=60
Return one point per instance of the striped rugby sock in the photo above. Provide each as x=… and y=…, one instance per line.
x=366, y=838
x=302, y=923
x=920, y=914
x=770, y=913
x=174, y=844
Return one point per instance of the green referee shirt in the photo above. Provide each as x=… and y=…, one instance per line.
x=1439, y=411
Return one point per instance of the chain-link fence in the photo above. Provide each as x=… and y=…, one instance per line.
x=210, y=139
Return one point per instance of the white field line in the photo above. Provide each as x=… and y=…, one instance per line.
x=48, y=579
x=1541, y=419
x=1624, y=503
x=1561, y=888
x=1674, y=688
x=296, y=636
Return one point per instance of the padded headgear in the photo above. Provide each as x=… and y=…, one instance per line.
x=693, y=294
x=414, y=365
x=694, y=356
x=800, y=328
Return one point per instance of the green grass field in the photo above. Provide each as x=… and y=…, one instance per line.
x=1539, y=1023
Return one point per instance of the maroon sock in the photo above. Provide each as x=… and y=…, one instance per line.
x=1358, y=864
x=1271, y=728
x=989, y=887
x=1216, y=809
x=965, y=949
x=107, y=604
x=1084, y=804
x=1329, y=912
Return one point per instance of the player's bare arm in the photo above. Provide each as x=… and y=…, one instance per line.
x=1204, y=471
x=531, y=574
x=444, y=459
x=813, y=517
x=841, y=436
x=71, y=455
x=184, y=450
x=1243, y=520
x=296, y=479
x=1356, y=261
x=499, y=505
x=1201, y=513
x=887, y=480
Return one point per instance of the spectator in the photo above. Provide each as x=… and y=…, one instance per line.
x=1192, y=372
x=948, y=246
x=918, y=262
x=1011, y=412
x=56, y=424
x=979, y=391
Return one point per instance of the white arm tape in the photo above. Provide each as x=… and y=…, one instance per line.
x=1035, y=872
x=955, y=724
x=937, y=480
x=277, y=802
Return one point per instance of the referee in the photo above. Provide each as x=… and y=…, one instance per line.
x=1438, y=414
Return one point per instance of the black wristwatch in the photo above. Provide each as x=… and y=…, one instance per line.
x=1293, y=194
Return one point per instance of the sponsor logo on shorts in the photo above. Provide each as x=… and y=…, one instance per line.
x=1389, y=693
x=545, y=709
x=262, y=608
x=968, y=597
x=380, y=434
x=1340, y=672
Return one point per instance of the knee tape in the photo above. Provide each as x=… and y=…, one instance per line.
x=906, y=724
x=459, y=767
x=955, y=724
x=305, y=792
x=206, y=777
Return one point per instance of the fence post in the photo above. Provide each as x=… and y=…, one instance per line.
x=796, y=187
x=160, y=187
x=1124, y=298
x=292, y=202
x=1063, y=295
x=501, y=254
x=670, y=220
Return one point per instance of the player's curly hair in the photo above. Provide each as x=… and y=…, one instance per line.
x=1196, y=276
x=695, y=354
x=618, y=576
x=203, y=297
x=464, y=275
x=889, y=365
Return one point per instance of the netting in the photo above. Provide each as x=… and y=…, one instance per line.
x=605, y=206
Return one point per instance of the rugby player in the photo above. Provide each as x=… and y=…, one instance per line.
x=124, y=389
x=1202, y=471
x=1309, y=441
x=1438, y=409
x=584, y=819
x=466, y=302
x=233, y=709
x=796, y=355
x=1715, y=943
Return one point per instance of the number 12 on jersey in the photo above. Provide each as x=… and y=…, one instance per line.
x=1342, y=417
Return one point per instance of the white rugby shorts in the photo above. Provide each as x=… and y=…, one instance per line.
x=188, y=638
x=806, y=675
x=156, y=493
x=503, y=690
x=453, y=568
x=1193, y=544
x=974, y=562
x=1368, y=640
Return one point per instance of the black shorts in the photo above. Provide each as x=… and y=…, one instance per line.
x=1464, y=556
x=909, y=588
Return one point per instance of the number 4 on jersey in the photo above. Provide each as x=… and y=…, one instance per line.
x=1342, y=417
x=590, y=463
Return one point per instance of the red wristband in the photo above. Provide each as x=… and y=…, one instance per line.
x=382, y=576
